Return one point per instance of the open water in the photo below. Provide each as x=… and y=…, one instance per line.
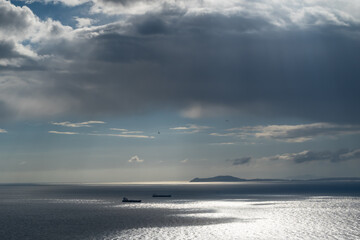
x=263, y=210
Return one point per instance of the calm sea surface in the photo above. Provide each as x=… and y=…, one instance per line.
x=265, y=210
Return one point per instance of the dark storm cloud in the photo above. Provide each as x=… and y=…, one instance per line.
x=244, y=62
x=310, y=156
x=12, y=58
x=240, y=161
x=7, y=50
x=151, y=26
x=309, y=75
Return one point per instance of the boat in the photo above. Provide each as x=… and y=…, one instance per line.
x=161, y=195
x=130, y=200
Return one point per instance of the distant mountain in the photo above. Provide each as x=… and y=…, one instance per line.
x=219, y=179
x=235, y=179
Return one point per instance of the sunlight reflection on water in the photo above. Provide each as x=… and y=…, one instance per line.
x=312, y=218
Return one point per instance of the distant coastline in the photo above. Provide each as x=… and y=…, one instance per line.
x=236, y=179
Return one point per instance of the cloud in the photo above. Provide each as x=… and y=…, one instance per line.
x=292, y=133
x=20, y=23
x=135, y=159
x=125, y=131
x=302, y=132
x=132, y=132
x=71, y=3
x=190, y=128
x=310, y=156
x=3, y=131
x=224, y=143
x=119, y=129
x=122, y=135
x=278, y=13
x=184, y=161
x=65, y=133
x=223, y=134
x=76, y=125
x=83, y=22
x=199, y=58
x=240, y=161
x=13, y=54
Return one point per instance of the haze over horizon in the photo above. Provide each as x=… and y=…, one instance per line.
x=166, y=90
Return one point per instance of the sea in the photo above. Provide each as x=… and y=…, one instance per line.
x=244, y=210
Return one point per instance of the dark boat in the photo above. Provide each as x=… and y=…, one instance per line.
x=161, y=195
x=130, y=200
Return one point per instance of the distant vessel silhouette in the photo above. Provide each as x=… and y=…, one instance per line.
x=130, y=200
x=161, y=195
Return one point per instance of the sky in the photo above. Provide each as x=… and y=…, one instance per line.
x=170, y=90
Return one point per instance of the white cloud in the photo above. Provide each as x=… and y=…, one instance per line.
x=76, y=125
x=277, y=12
x=190, y=128
x=93, y=122
x=223, y=134
x=3, y=131
x=292, y=133
x=302, y=132
x=280, y=13
x=224, y=143
x=310, y=156
x=22, y=30
x=180, y=128
x=119, y=129
x=65, y=133
x=84, y=22
x=353, y=154
x=71, y=3
x=126, y=7
x=132, y=132
x=20, y=23
x=184, y=161
x=135, y=159
x=125, y=131
x=122, y=135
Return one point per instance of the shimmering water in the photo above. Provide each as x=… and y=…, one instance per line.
x=284, y=210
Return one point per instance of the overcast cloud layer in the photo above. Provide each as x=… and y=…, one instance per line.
x=288, y=58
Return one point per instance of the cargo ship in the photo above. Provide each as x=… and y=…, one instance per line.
x=130, y=200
